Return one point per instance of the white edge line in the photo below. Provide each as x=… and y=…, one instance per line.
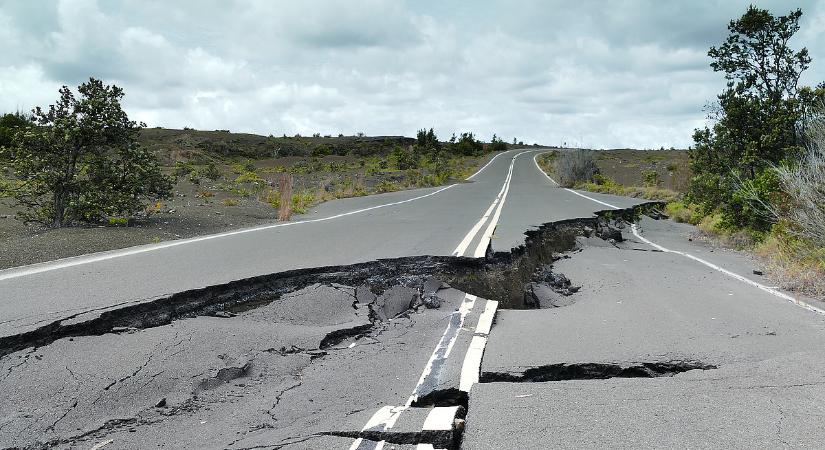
x=76, y=261
x=535, y=160
x=736, y=276
x=741, y=278
x=47, y=266
x=485, y=166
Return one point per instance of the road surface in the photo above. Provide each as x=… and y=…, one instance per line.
x=732, y=361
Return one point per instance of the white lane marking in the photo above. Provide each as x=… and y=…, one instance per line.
x=380, y=417
x=472, y=363
x=101, y=444
x=462, y=247
x=446, y=343
x=484, y=243
x=722, y=270
x=463, y=310
x=536, y=161
x=741, y=278
x=485, y=166
x=388, y=415
x=32, y=269
x=440, y=418
x=485, y=322
x=70, y=262
x=374, y=445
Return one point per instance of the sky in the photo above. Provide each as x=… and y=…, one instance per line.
x=624, y=73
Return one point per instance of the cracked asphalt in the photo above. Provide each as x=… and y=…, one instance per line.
x=400, y=359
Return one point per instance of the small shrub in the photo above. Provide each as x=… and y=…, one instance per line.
x=301, y=201
x=118, y=221
x=206, y=194
x=712, y=224
x=387, y=186
x=230, y=202
x=650, y=178
x=575, y=166
x=249, y=177
x=321, y=150
x=683, y=213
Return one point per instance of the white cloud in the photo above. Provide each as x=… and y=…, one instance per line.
x=631, y=73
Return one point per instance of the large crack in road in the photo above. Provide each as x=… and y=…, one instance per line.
x=277, y=327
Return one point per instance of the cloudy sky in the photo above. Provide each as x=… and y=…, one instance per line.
x=602, y=74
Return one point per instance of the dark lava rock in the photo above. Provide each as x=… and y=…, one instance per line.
x=608, y=233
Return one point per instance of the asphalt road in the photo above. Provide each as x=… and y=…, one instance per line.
x=335, y=366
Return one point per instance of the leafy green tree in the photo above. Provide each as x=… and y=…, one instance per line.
x=426, y=140
x=497, y=144
x=11, y=124
x=82, y=162
x=467, y=145
x=757, y=117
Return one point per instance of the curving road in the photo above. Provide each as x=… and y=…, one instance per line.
x=668, y=343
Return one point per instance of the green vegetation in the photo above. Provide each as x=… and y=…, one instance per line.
x=760, y=116
x=605, y=185
x=759, y=171
x=10, y=124
x=82, y=163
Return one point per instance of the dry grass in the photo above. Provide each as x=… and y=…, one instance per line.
x=794, y=267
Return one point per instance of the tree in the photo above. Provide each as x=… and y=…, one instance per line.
x=497, y=144
x=757, y=117
x=467, y=145
x=427, y=141
x=82, y=161
x=11, y=123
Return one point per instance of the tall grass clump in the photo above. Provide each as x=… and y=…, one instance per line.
x=575, y=166
x=804, y=187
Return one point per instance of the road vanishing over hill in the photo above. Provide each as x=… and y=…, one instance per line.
x=494, y=313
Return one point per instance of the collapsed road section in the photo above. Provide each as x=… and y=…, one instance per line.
x=276, y=360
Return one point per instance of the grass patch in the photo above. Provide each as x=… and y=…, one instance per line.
x=605, y=185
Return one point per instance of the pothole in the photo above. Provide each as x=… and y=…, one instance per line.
x=595, y=371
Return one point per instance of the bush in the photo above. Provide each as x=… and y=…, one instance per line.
x=650, y=178
x=575, y=166
x=803, y=205
x=682, y=213
x=497, y=144
x=83, y=162
x=321, y=150
x=467, y=145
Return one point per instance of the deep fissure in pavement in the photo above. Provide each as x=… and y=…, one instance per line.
x=511, y=278
x=521, y=278
x=595, y=371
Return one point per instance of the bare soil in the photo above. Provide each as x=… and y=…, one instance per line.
x=625, y=166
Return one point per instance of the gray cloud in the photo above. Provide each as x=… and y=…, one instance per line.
x=627, y=73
